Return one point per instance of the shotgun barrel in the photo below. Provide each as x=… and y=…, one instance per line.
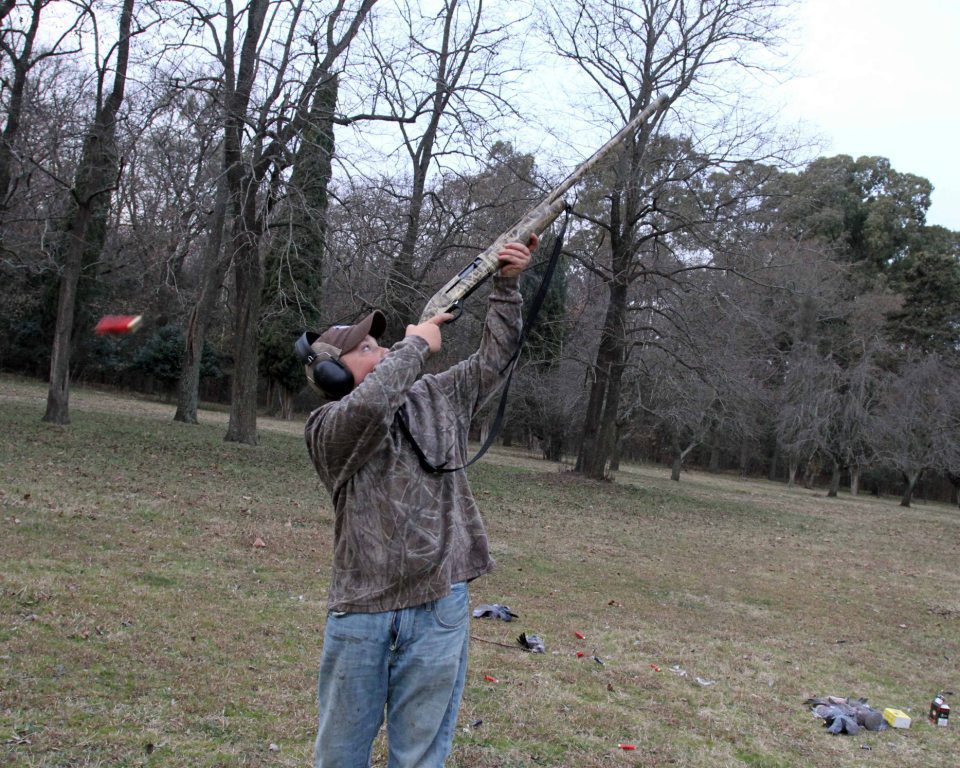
x=535, y=221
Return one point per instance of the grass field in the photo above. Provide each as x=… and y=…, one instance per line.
x=139, y=626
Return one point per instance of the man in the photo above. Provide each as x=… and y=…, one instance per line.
x=406, y=539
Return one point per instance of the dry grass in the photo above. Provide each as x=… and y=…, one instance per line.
x=139, y=626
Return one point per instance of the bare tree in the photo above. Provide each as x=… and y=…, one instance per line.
x=270, y=151
x=256, y=48
x=804, y=411
x=81, y=233
x=163, y=203
x=442, y=86
x=859, y=387
x=18, y=38
x=702, y=353
x=295, y=263
x=633, y=54
x=917, y=425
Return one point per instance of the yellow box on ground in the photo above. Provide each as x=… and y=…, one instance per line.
x=897, y=718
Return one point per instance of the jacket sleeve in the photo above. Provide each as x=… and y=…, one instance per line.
x=470, y=383
x=341, y=436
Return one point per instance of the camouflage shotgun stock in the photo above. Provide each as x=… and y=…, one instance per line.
x=535, y=221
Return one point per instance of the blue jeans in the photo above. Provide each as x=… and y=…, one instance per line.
x=413, y=663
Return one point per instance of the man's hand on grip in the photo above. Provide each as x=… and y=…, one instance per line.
x=515, y=257
x=430, y=330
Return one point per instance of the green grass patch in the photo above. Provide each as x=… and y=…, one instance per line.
x=139, y=626
x=754, y=760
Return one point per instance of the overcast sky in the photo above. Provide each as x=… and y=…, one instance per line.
x=882, y=77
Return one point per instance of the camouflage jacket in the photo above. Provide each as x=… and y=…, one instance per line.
x=402, y=536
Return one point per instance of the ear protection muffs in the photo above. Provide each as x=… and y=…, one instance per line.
x=325, y=373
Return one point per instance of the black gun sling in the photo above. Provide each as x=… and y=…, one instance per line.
x=401, y=417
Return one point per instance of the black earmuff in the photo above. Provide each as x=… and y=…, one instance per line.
x=325, y=372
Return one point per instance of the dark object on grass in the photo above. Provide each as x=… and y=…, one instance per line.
x=495, y=611
x=846, y=714
x=532, y=643
x=839, y=721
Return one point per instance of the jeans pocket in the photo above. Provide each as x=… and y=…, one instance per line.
x=451, y=612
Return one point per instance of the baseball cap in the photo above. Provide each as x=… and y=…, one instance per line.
x=340, y=339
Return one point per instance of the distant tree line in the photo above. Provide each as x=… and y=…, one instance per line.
x=238, y=173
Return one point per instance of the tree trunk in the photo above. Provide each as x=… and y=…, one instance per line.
x=84, y=231
x=744, y=458
x=272, y=399
x=955, y=481
x=587, y=455
x=244, y=245
x=309, y=180
x=401, y=289
x=604, y=403
x=713, y=465
x=58, y=394
x=552, y=445
x=215, y=266
x=855, y=479
x=811, y=472
x=911, y=478
x=286, y=403
x=615, y=451
x=611, y=404
x=680, y=455
x=21, y=67
x=834, y=480
x=295, y=262
x=292, y=294
x=248, y=274
x=485, y=429
x=774, y=461
x=605, y=393
x=792, y=471
x=401, y=295
x=676, y=467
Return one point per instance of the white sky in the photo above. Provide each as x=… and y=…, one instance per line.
x=882, y=77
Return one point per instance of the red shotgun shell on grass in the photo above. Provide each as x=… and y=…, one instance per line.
x=490, y=679
x=118, y=324
x=627, y=747
x=580, y=635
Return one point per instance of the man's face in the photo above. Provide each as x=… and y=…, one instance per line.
x=363, y=358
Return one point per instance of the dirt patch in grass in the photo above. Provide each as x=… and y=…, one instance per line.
x=139, y=626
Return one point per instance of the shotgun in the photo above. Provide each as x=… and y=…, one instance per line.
x=535, y=221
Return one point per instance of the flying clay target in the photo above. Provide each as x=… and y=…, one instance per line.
x=117, y=324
